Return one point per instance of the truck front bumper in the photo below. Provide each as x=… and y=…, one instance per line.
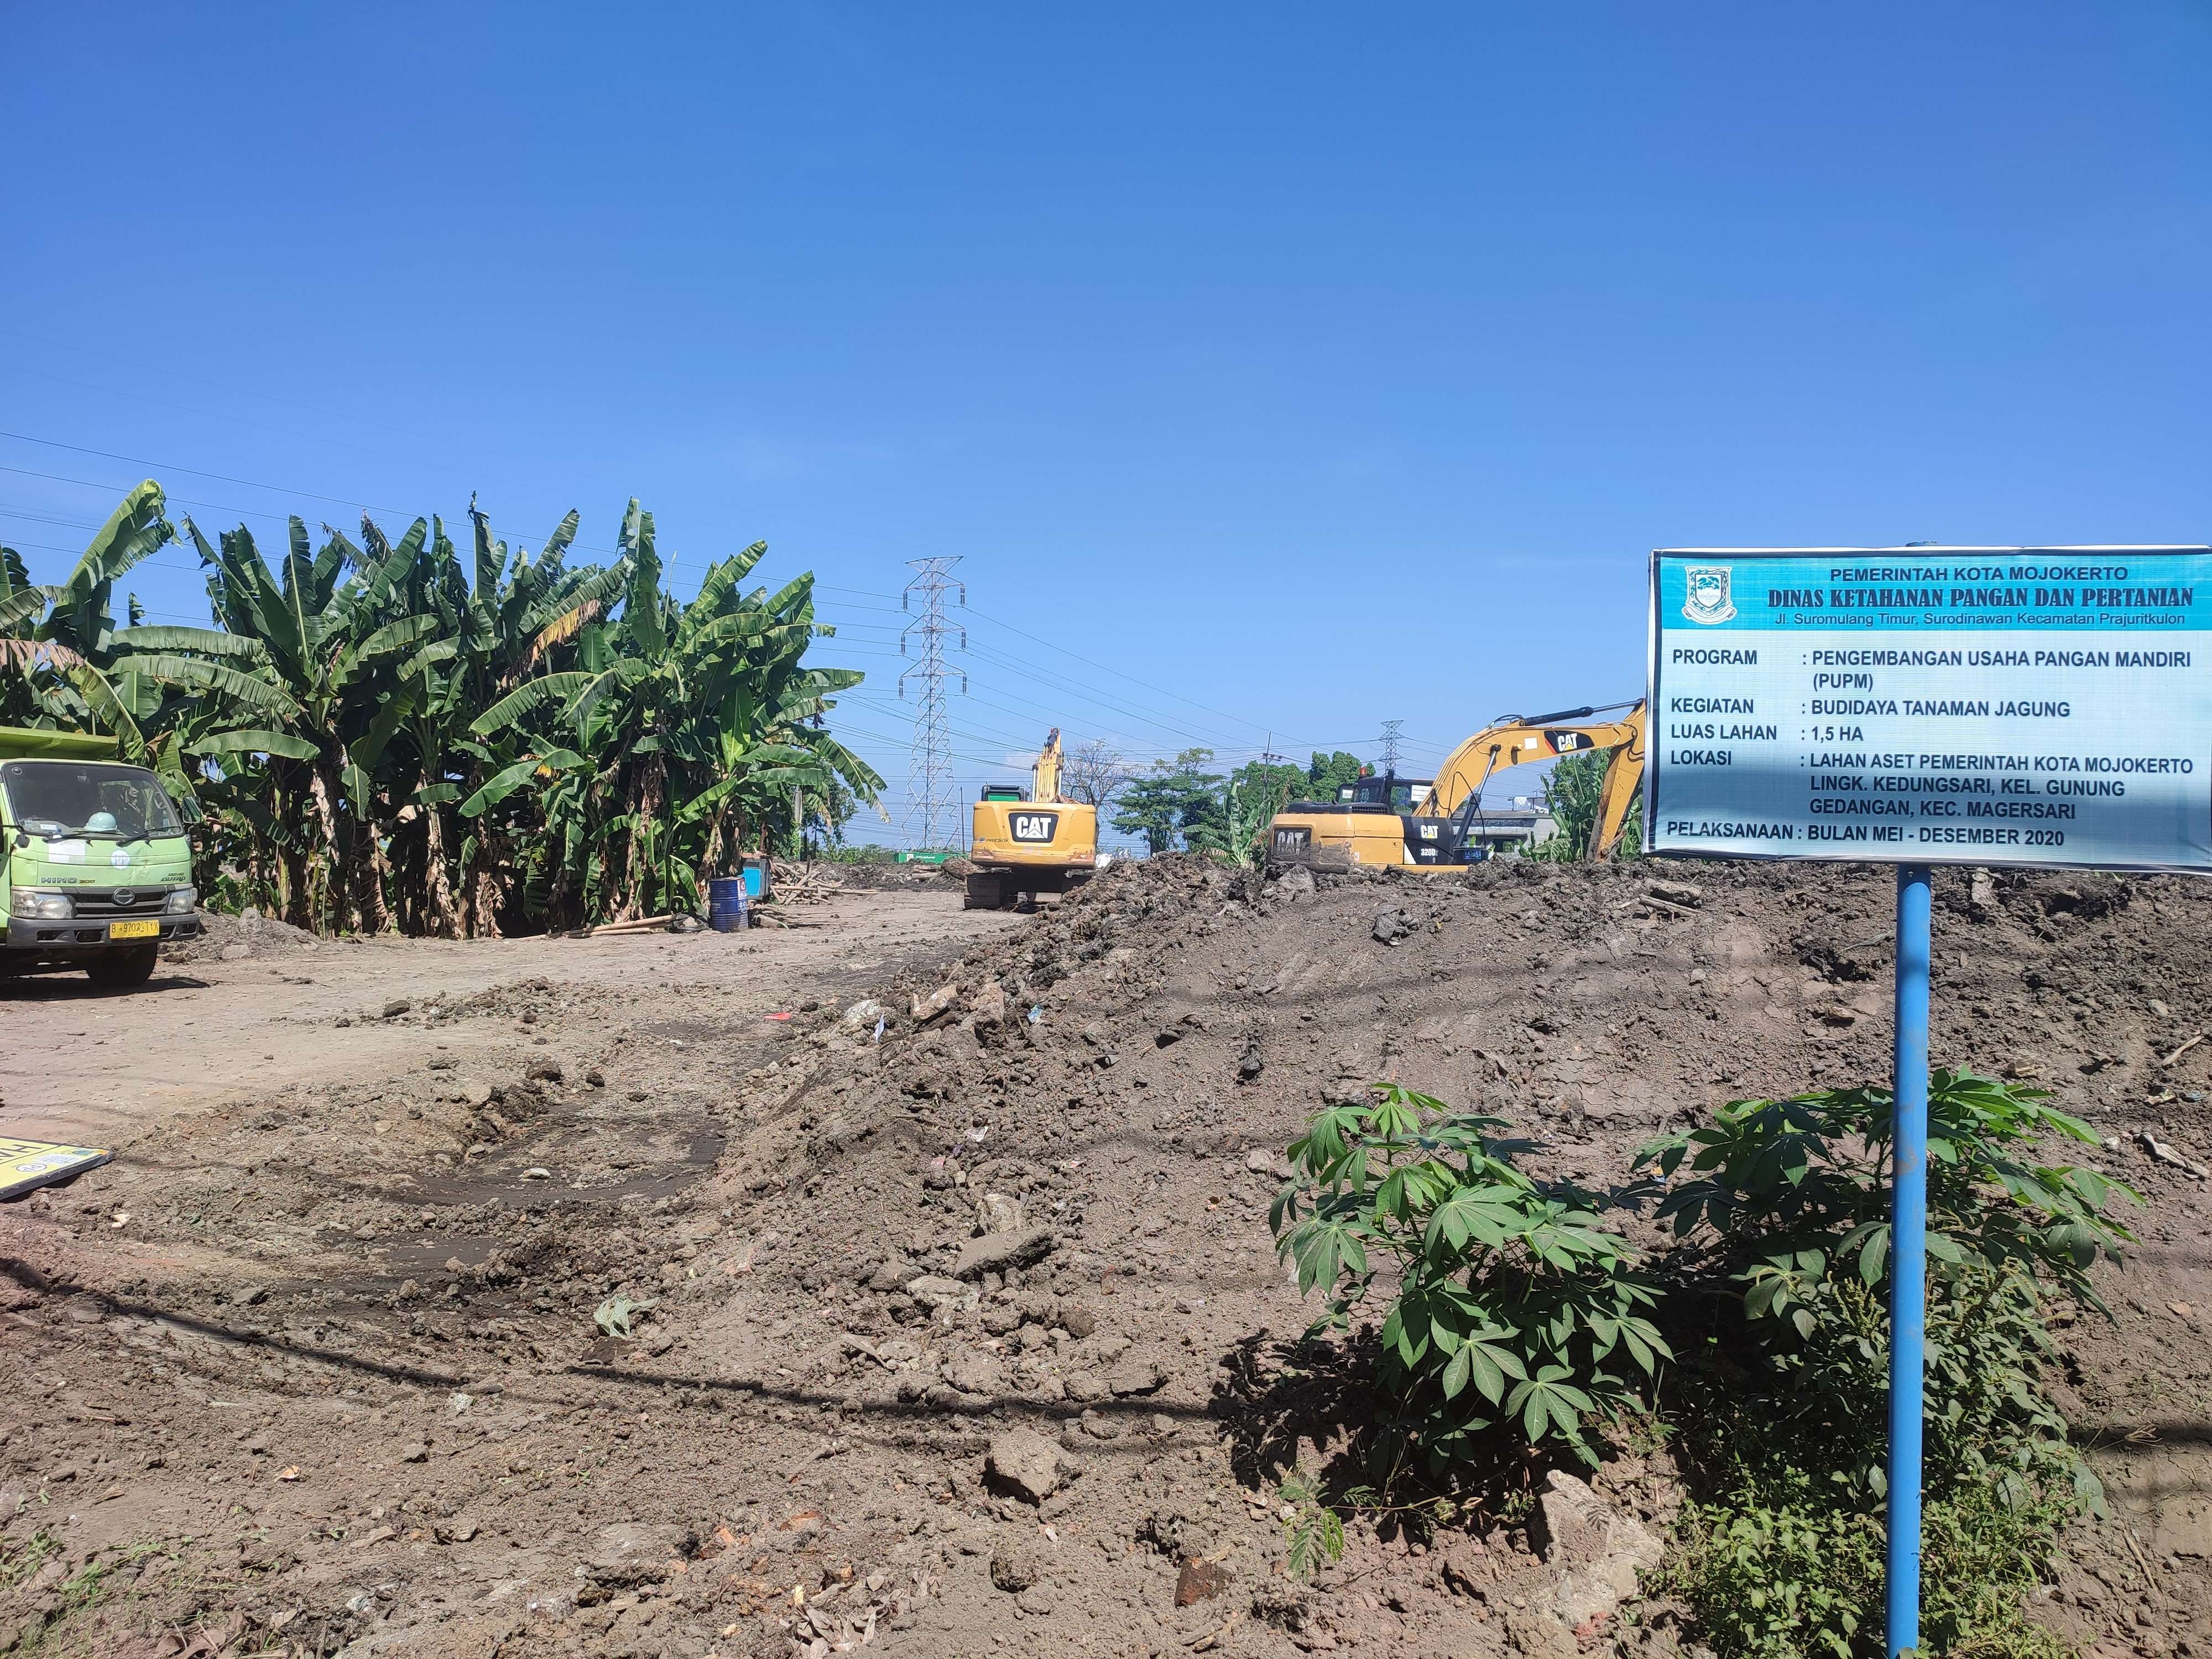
x=72, y=941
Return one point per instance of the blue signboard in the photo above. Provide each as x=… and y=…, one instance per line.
x=1931, y=705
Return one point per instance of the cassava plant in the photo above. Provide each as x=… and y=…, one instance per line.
x=1510, y=1307
x=1790, y=1200
x=1783, y=1206
x=1768, y=1176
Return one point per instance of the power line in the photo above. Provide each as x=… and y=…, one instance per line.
x=1057, y=713
x=1118, y=673
x=1058, y=683
x=1061, y=684
x=1068, y=686
x=672, y=561
x=197, y=472
x=78, y=348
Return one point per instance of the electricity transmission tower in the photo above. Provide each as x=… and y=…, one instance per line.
x=932, y=806
x=1390, y=746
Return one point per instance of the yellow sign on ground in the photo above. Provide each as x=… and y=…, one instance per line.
x=28, y=1165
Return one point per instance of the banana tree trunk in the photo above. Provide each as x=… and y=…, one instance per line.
x=464, y=906
x=440, y=920
x=292, y=888
x=644, y=838
x=292, y=873
x=489, y=896
x=370, y=867
x=488, y=890
x=321, y=789
x=288, y=815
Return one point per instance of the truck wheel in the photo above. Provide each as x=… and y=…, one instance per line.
x=121, y=969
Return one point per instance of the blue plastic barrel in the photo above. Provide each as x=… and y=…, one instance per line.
x=728, y=908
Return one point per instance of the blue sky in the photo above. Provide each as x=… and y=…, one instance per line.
x=1272, y=370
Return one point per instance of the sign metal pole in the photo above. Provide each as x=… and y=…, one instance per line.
x=1908, y=1257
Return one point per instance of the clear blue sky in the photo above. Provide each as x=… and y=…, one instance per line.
x=1308, y=366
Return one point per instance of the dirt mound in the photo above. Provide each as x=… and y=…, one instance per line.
x=1055, y=1164
x=940, y=1312
x=1581, y=997
x=241, y=938
x=1122, y=1074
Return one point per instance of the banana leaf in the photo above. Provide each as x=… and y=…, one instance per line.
x=247, y=741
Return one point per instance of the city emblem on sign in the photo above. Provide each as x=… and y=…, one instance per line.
x=1708, y=601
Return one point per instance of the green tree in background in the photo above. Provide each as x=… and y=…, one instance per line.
x=1326, y=774
x=1182, y=804
x=1177, y=805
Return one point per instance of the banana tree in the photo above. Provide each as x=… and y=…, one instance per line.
x=159, y=691
x=22, y=657
x=387, y=732
x=329, y=641
x=677, y=719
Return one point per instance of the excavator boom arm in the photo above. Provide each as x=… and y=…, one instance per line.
x=1622, y=774
x=1044, y=782
x=1519, y=739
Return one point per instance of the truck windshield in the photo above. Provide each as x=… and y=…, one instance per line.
x=87, y=797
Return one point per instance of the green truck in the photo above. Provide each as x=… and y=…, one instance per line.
x=100, y=873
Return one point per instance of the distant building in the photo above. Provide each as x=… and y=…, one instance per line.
x=1507, y=829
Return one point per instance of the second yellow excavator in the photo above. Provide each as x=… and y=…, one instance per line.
x=1042, y=844
x=1431, y=823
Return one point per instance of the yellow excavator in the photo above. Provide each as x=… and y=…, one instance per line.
x=1433, y=823
x=1023, y=844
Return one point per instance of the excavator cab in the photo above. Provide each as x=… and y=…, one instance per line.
x=1386, y=790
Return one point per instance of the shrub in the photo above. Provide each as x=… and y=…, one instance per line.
x=1779, y=1571
x=1790, y=1200
x=1783, y=1208
x=1513, y=1305
x=853, y=853
x=1812, y=1171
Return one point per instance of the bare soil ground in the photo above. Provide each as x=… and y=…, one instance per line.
x=961, y=1332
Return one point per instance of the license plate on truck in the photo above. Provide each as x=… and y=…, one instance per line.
x=134, y=930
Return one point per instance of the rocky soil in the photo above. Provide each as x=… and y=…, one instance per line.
x=765, y=1306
